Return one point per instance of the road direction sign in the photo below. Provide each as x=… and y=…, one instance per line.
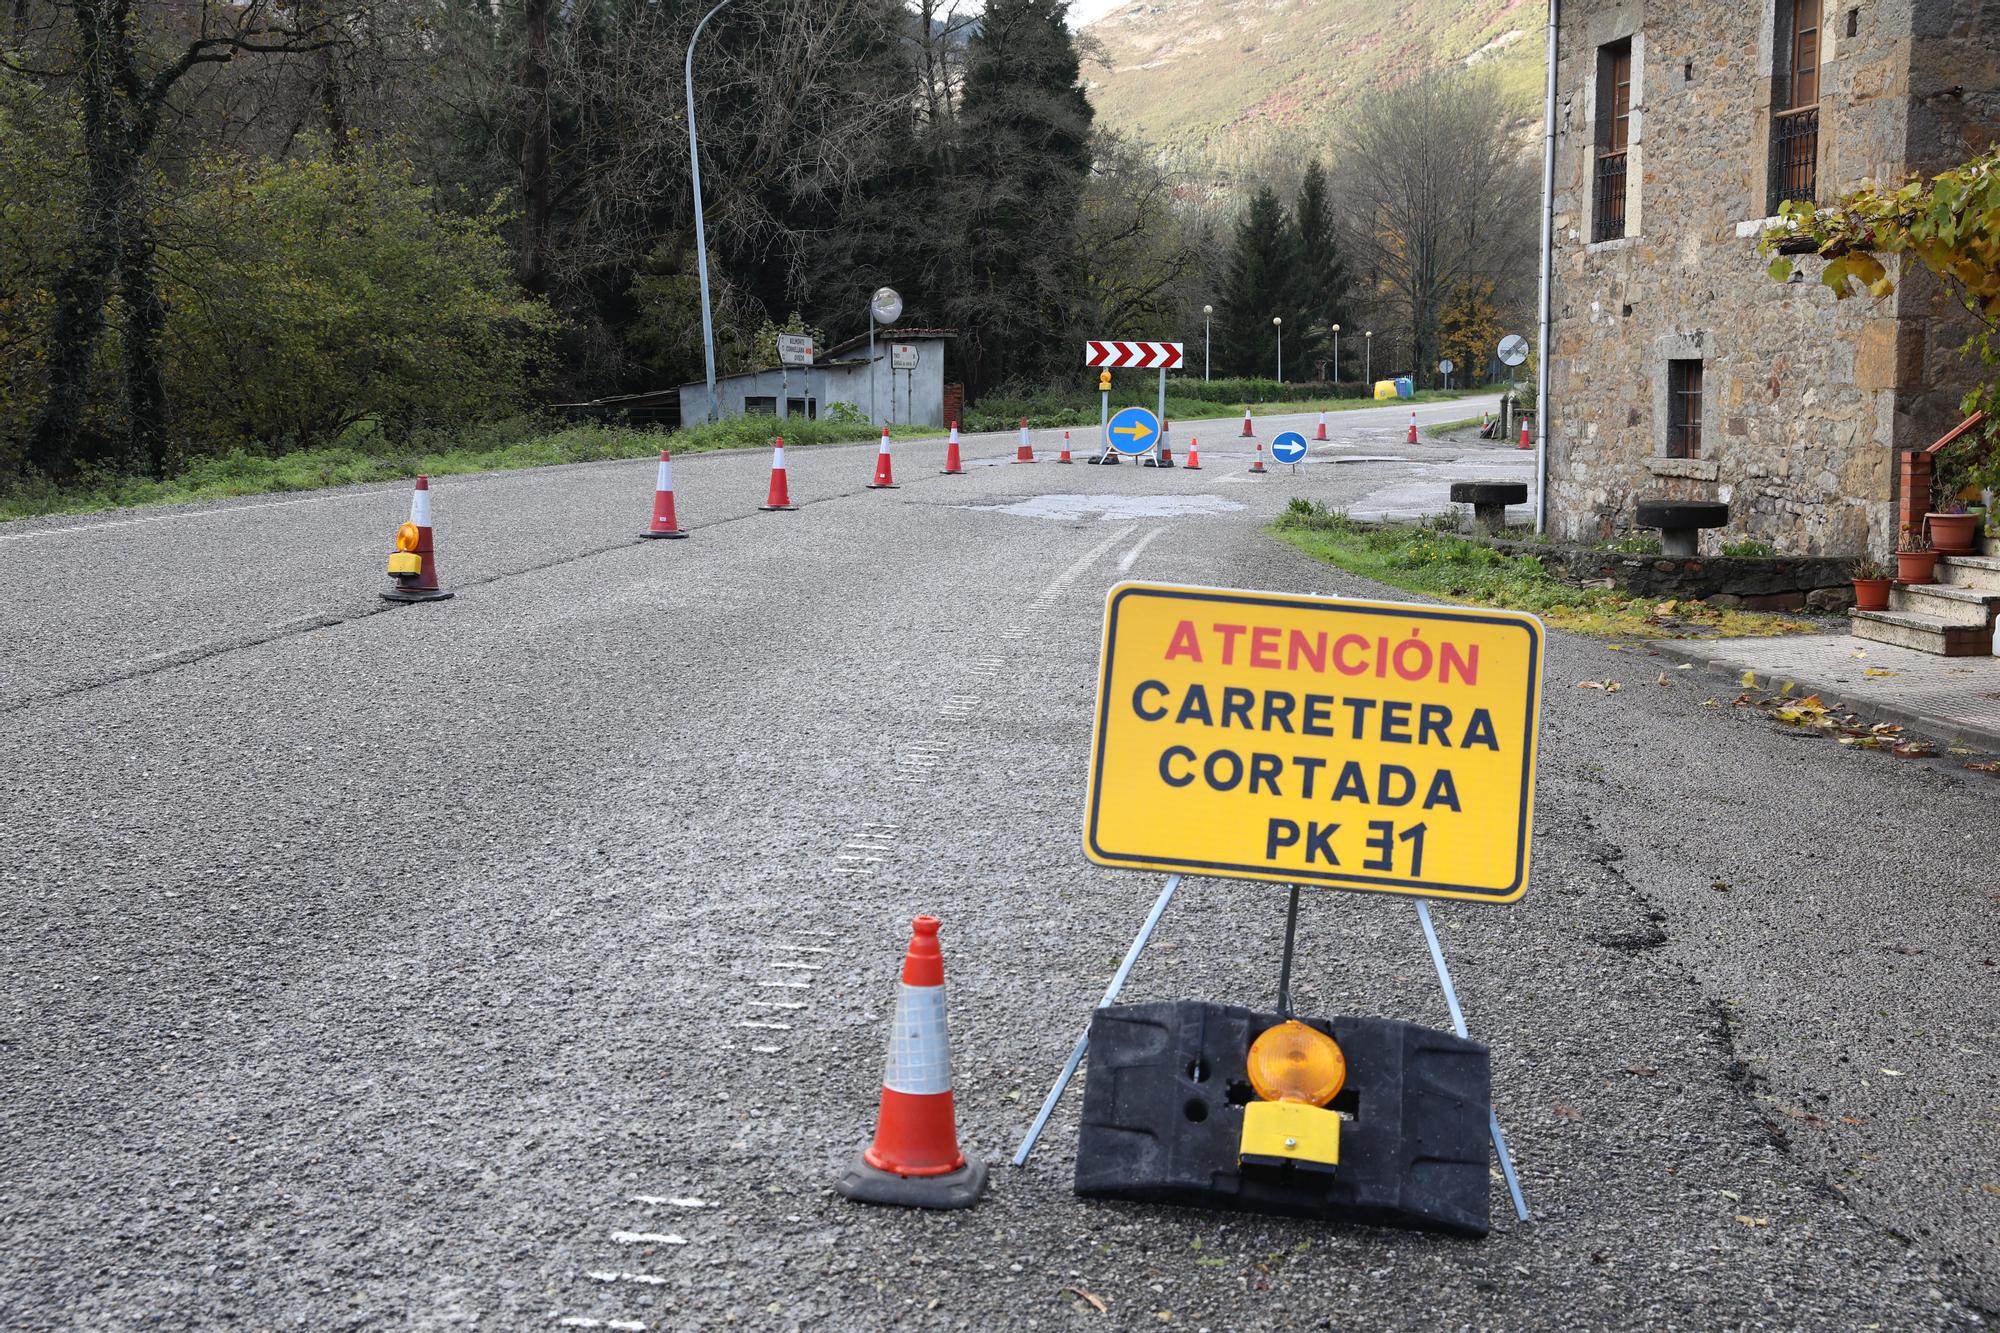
x=1134, y=430
x=794, y=350
x=1289, y=447
x=902, y=356
x=1446, y=366
x=1513, y=350
x=1132, y=355
x=1353, y=744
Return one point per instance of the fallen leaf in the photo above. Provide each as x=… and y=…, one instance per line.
x=1615, y=647
x=1749, y=1221
x=1720, y=886
x=1749, y=680
x=1854, y=1120
x=1685, y=666
x=1956, y=748
x=1732, y=1196
x=1785, y=690
x=1990, y=1189
x=1590, y=685
x=1566, y=1111
x=1662, y=680
x=1879, y=671
x=1612, y=687
x=1711, y=703
x=1989, y=766
x=1886, y=729
x=1895, y=1073
x=1914, y=750
x=1643, y=1071
x=1864, y=742
x=1091, y=1299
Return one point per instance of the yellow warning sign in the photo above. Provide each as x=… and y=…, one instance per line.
x=1316, y=740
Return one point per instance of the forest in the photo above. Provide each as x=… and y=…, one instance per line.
x=244, y=230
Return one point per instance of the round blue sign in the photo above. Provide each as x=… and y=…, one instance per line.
x=1289, y=447
x=1134, y=430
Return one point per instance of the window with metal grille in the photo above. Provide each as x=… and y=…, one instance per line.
x=1614, y=130
x=1684, y=409
x=1795, y=105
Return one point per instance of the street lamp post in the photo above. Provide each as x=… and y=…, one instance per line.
x=1368, y=356
x=1336, y=354
x=700, y=229
x=1206, y=312
x=1278, y=323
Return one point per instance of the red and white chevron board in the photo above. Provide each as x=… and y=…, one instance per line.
x=1135, y=356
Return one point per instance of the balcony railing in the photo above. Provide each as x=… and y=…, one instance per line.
x=1608, y=211
x=1794, y=156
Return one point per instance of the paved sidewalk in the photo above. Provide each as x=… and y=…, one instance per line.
x=1946, y=698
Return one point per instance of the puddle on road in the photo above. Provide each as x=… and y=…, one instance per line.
x=1110, y=508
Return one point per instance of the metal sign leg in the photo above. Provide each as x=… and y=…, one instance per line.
x=1458, y=1022
x=1083, y=1042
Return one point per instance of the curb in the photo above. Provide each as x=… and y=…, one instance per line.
x=1944, y=729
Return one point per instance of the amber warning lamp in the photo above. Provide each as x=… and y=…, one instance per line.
x=1296, y=1070
x=1104, y=381
x=405, y=562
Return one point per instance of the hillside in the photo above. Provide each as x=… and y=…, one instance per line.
x=1228, y=77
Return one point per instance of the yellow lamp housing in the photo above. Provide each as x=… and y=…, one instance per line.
x=1295, y=1063
x=1104, y=381
x=405, y=564
x=1294, y=1134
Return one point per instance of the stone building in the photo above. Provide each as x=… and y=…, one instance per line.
x=1678, y=369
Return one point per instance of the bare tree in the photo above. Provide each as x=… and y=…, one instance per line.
x=1433, y=194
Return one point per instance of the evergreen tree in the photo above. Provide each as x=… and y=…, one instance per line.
x=1322, y=274
x=1262, y=283
x=1023, y=156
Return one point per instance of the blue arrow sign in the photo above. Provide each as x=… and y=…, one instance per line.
x=1289, y=447
x=1134, y=430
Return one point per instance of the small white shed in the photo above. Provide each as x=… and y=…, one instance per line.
x=904, y=384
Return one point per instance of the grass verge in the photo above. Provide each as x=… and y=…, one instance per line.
x=366, y=456
x=1432, y=562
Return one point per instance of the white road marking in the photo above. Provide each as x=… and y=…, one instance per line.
x=583, y=1321
x=849, y=870
x=671, y=1200
x=1089, y=558
x=776, y=1004
x=647, y=1238
x=647, y=1278
x=169, y=518
x=788, y=985
x=805, y=948
x=1125, y=561
x=769, y=1027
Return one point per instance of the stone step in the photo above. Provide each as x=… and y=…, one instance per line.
x=1948, y=602
x=1926, y=634
x=1969, y=571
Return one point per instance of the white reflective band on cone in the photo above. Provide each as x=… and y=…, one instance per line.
x=666, y=482
x=885, y=446
x=919, y=1055
x=420, y=508
x=778, y=456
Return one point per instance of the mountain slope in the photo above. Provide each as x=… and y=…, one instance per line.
x=1231, y=77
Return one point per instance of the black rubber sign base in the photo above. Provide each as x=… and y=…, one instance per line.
x=1162, y=1119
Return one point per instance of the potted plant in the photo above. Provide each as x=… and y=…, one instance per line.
x=1871, y=585
x=1916, y=562
x=1953, y=531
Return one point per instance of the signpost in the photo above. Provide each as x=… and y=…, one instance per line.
x=1110, y=354
x=1376, y=747
x=1134, y=431
x=1360, y=745
x=793, y=350
x=1290, y=447
x=1513, y=350
x=1445, y=367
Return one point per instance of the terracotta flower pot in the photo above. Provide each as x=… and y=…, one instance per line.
x=1871, y=594
x=1953, y=534
x=1915, y=566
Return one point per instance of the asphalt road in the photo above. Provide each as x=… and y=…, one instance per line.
x=422, y=967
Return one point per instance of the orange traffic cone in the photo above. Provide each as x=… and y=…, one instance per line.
x=664, y=523
x=1524, y=434
x=1322, y=427
x=884, y=470
x=1257, y=463
x=1064, y=457
x=1024, y=452
x=915, y=1160
x=1412, y=438
x=1194, y=455
x=952, y=467
x=781, y=491
x=1248, y=432
x=413, y=564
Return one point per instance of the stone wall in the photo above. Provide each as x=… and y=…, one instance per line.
x=1805, y=399
x=1760, y=583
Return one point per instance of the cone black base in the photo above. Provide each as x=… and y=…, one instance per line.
x=865, y=1184
x=415, y=595
x=885, y=485
x=655, y=536
x=772, y=509
x=952, y=471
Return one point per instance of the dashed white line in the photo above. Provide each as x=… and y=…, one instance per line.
x=584, y=1321
x=1126, y=561
x=670, y=1200
x=769, y=1027
x=647, y=1278
x=801, y=967
x=788, y=985
x=1089, y=558
x=805, y=948
x=647, y=1238
x=776, y=1004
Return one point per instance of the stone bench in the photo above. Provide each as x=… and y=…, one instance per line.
x=1489, y=501
x=1680, y=522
